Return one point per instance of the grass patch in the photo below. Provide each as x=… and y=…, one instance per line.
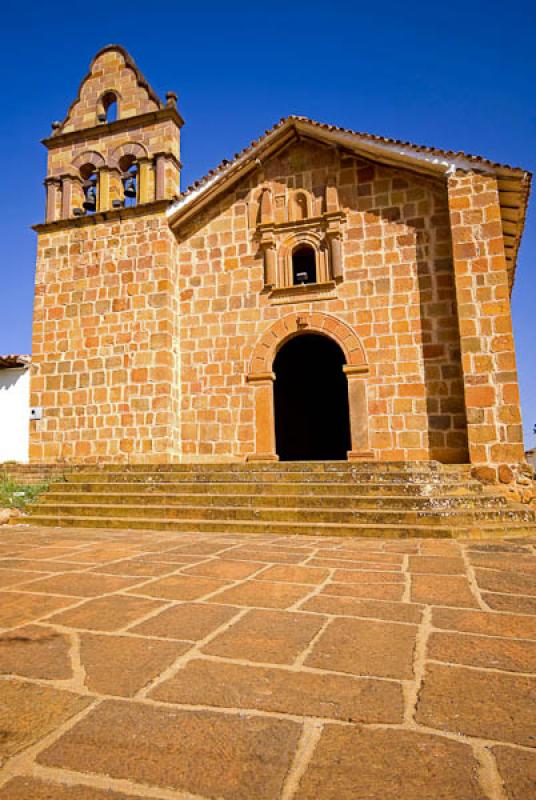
x=19, y=495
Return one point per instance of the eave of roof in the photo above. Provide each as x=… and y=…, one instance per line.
x=14, y=361
x=513, y=182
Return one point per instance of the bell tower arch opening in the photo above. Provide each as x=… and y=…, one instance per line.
x=312, y=421
x=129, y=179
x=90, y=187
x=109, y=108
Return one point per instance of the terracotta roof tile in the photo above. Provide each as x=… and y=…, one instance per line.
x=448, y=154
x=513, y=204
x=13, y=361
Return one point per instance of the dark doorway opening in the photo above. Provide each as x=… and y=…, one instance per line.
x=312, y=420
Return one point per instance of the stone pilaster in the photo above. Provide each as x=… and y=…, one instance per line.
x=263, y=385
x=483, y=300
x=72, y=195
x=335, y=255
x=145, y=188
x=104, y=202
x=167, y=178
x=357, y=404
x=52, y=187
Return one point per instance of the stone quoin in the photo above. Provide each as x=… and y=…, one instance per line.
x=164, y=322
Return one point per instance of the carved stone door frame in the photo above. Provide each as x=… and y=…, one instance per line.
x=261, y=377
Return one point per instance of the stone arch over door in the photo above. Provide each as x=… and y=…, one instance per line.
x=261, y=377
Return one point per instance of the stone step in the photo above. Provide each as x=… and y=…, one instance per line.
x=291, y=514
x=255, y=477
x=281, y=466
x=479, y=531
x=163, y=499
x=444, y=489
x=324, y=498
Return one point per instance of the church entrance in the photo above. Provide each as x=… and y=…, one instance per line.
x=311, y=400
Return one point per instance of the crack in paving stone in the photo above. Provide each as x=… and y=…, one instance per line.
x=336, y=611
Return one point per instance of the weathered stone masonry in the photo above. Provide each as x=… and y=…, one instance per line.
x=397, y=294
x=156, y=325
x=105, y=342
x=483, y=294
x=105, y=334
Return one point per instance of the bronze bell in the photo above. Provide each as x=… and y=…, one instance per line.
x=90, y=195
x=129, y=184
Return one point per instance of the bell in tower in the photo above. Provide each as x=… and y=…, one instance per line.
x=90, y=194
x=129, y=184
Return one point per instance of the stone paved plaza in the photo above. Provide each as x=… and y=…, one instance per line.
x=159, y=665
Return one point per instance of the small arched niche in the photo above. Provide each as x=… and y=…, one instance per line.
x=299, y=209
x=304, y=267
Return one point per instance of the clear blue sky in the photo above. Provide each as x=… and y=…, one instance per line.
x=457, y=75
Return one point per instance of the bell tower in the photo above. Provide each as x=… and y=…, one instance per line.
x=104, y=330
x=118, y=146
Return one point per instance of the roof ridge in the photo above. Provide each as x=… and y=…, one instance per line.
x=451, y=154
x=11, y=361
x=423, y=158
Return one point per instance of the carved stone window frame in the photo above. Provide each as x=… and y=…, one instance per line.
x=278, y=240
x=303, y=236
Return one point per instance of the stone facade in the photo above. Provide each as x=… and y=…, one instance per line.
x=156, y=325
x=396, y=293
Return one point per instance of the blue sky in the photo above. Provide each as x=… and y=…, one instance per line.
x=457, y=75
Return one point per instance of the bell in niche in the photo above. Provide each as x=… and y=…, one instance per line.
x=90, y=195
x=129, y=184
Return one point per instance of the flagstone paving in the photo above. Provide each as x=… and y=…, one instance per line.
x=141, y=664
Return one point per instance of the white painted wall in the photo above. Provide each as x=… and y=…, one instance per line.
x=14, y=414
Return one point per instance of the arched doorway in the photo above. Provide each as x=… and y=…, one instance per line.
x=311, y=400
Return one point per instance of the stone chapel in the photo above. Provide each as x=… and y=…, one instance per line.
x=323, y=295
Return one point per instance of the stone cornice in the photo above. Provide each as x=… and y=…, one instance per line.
x=98, y=131
x=156, y=207
x=313, y=223
x=168, y=155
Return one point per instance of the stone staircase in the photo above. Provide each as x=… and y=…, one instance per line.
x=316, y=498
